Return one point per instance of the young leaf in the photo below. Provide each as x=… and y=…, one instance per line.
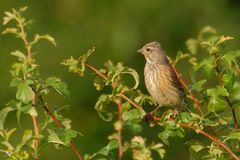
x=126, y=70
x=24, y=93
x=66, y=135
x=18, y=54
x=223, y=39
x=133, y=114
x=78, y=66
x=58, y=85
x=101, y=105
x=196, y=145
x=218, y=91
x=10, y=31
x=198, y=86
x=53, y=137
x=3, y=114
x=46, y=37
x=192, y=46
x=228, y=81
x=111, y=146
x=231, y=58
x=181, y=56
x=159, y=149
x=27, y=135
x=216, y=104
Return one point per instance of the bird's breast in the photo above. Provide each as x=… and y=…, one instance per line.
x=159, y=85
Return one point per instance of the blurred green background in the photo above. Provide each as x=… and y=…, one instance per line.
x=117, y=29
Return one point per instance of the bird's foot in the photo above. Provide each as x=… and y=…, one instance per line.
x=149, y=117
x=175, y=113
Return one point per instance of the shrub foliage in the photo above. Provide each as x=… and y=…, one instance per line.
x=213, y=104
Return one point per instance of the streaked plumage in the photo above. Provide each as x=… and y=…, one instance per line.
x=160, y=79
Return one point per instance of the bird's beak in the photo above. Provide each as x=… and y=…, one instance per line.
x=140, y=51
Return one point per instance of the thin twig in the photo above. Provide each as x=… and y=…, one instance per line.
x=34, y=118
x=219, y=76
x=195, y=101
x=35, y=124
x=45, y=107
x=188, y=90
x=119, y=130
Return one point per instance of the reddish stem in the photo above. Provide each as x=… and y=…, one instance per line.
x=189, y=92
x=214, y=139
x=45, y=107
x=120, y=149
x=219, y=76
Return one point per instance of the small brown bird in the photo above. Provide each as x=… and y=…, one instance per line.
x=160, y=79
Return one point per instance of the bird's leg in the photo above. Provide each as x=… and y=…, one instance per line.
x=175, y=112
x=149, y=116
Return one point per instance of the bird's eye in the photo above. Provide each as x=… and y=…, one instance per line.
x=148, y=49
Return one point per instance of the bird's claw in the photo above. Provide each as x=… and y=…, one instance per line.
x=149, y=117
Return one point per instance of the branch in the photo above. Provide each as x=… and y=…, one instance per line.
x=35, y=126
x=45, y=107
x=119, y=130
x=188, y=90
x=212, y=138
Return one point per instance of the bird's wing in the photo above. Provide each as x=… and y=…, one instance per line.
x=177, y=84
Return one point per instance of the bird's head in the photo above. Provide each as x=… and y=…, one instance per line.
x=153, y=52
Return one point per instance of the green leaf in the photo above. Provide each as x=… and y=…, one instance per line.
x=53, y=137
x=27, y=135
x=133, y=114
x=217, y=104
x=196, y=145
x=9, y=17
x=192, y=46
x=24, y=93
x=16, y=82
x=185, y=117
x=46, y=37
x=111, y=146
x=101, y=105
x=228, y=81
x=18, y=54
x=234, y=135
x=198, y=86
x=170, y=131
x=120, y=69
x=78, y=66
x=218, y=91
x=3, y=114
x=181, y=56
x=230, y=58
x=99, y=83
x=223, y=39
x=133, y=127
x=10, y=31
x=58, y=85
x=159, y=149
x=66, y=135
x=206, y=64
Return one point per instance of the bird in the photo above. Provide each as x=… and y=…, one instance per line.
x=161, y=80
